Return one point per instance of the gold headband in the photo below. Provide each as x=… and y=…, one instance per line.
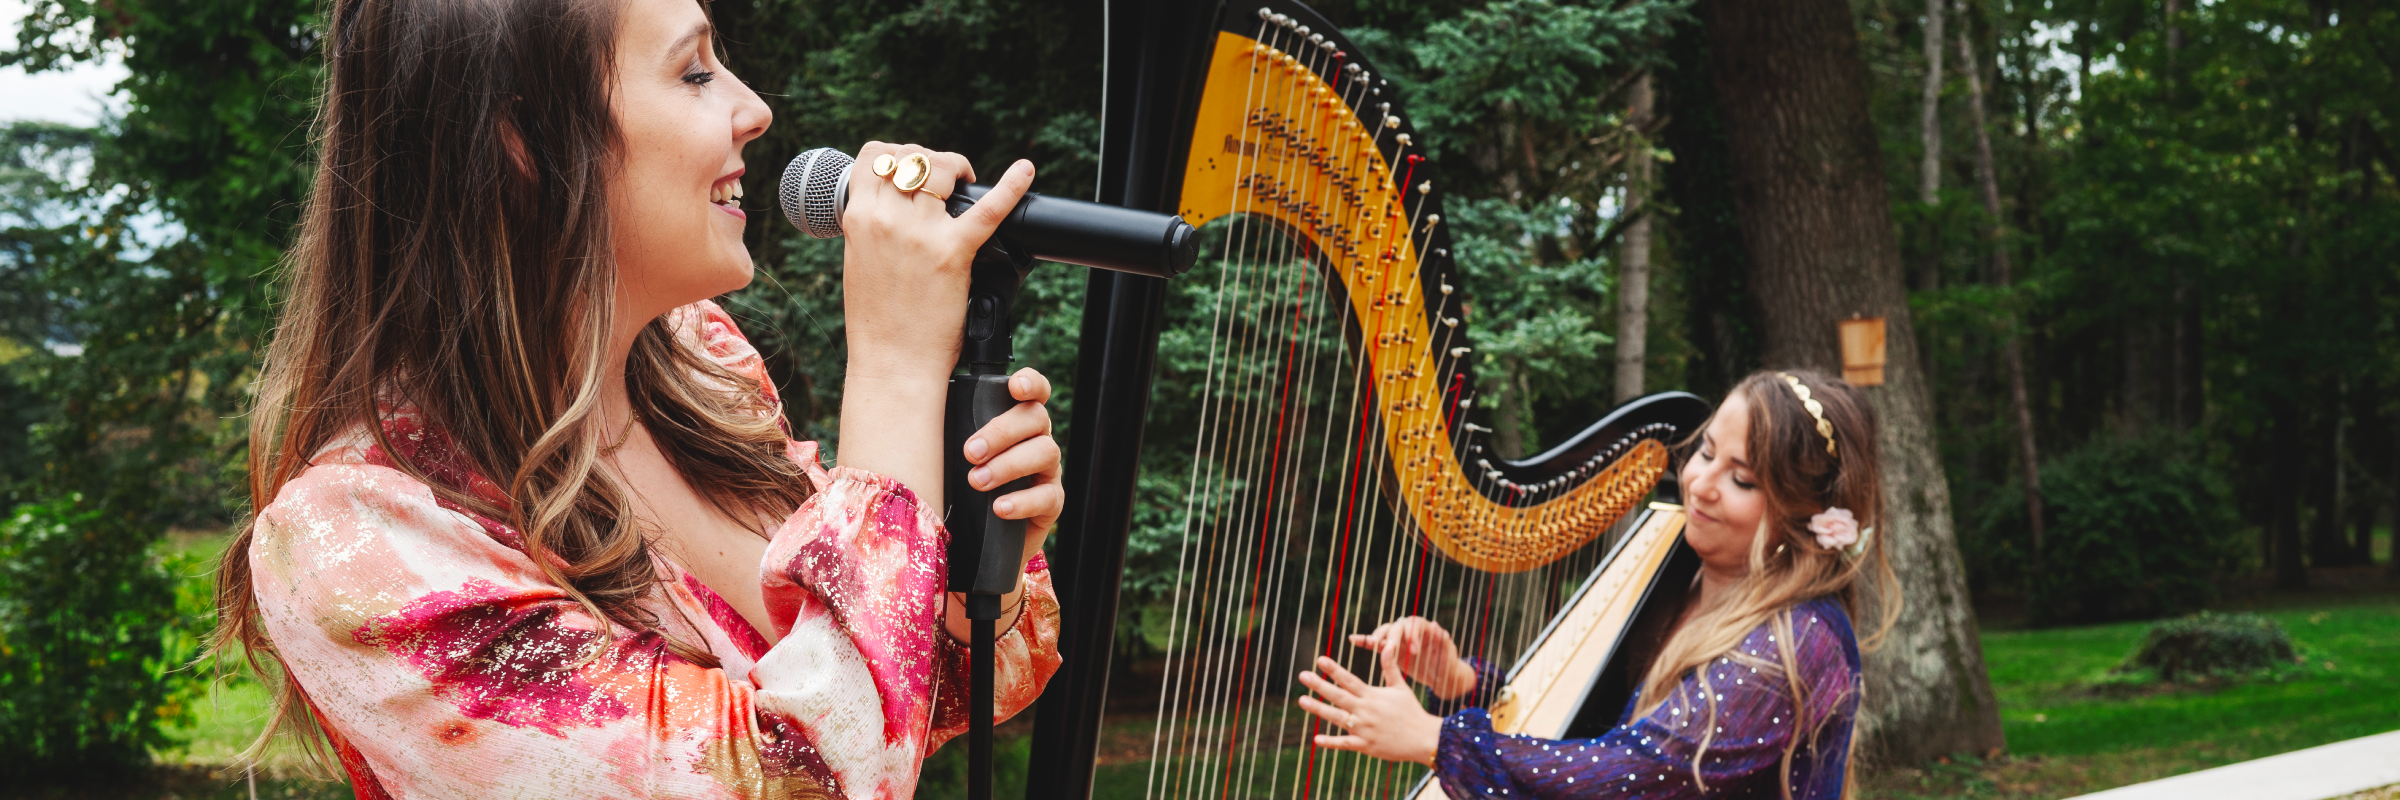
x=1815, y=409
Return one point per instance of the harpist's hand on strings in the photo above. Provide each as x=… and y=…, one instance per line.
x=1383, y=721
x=1426, y=654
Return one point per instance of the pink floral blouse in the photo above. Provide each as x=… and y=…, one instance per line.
x=444, y=665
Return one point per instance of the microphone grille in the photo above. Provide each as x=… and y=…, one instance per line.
x=815, y=188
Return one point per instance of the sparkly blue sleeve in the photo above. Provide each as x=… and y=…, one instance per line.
x=1487, y=683
x=1739, y=754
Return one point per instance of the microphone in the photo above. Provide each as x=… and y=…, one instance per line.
x=816, y=190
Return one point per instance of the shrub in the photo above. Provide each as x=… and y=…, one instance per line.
x=2134, y=528
x=90, y=640
x=2211, y=645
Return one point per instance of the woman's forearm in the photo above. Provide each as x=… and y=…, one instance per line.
x=891, y=425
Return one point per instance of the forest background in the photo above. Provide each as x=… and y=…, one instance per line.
x=2168, y=227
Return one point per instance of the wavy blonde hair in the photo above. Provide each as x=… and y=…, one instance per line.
x=454, y=256
x=1787, y=567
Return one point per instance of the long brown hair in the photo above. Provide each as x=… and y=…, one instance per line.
x=455, y=256
x=1799, y=479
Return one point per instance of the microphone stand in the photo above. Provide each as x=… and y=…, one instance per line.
x=986, y=553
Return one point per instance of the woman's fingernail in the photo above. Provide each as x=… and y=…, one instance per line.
x=976, y=447
x=1003, y=506
x=981, y=477
x=1018, y=385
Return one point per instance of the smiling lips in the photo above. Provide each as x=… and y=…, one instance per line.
x=727, y=195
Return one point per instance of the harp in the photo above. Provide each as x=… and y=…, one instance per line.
x=1338, y=476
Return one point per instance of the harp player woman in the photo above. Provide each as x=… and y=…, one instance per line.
x=1755, y=688
x=529, y=523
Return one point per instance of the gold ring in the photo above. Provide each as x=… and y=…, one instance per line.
x=910, y=174
x=883, y=165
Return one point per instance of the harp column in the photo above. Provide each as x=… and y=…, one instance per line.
x=1152, y=47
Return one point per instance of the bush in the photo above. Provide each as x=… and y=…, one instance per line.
x=2135, y=528
x=2211, y=645
x=91, y=643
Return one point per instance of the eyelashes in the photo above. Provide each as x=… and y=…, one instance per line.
x=700, y=78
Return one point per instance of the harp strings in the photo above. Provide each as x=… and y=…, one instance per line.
x=1289, y=538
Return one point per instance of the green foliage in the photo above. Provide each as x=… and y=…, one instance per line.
x=91, y=642
x=2135, y=528
x=2206, y=645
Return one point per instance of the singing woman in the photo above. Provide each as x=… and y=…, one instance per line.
x=1755, y=687
x=529, y=523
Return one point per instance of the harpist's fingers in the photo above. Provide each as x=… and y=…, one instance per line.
x=1392, y=676
x=1341, y=697
x=1331, y=715
x=1341, y=677
x=1351, y=743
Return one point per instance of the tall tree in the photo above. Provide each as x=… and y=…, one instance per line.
x=2012, y=355
x=1633, y=274
x=1929, y=123
x=1809, y=189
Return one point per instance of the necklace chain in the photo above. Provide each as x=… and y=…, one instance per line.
x=622, y=436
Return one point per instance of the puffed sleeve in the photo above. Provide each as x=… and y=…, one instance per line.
x=1740, y=748
x=863, y=558
x=446, y=664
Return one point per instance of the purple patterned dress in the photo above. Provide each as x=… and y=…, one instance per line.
x=1652, y=757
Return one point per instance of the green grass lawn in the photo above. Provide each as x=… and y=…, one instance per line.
x=2065, y=739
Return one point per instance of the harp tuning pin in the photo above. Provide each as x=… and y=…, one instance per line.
x=1318, y=38
x=1404, y=142
x=1283, y=20
x=1432, y=220
x=1352, y=69
x=1484, y=463
x=1303, y=30
x=1450, y=321
x=1425, y=187
x=1456, y=352
x=1391, y=121
x=1446, y=290
x=1474, y=427
x=1266, y=13
x=1442, y=251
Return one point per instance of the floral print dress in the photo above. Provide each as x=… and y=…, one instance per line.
x=443, y=664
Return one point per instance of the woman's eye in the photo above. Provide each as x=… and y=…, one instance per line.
x=1746, y=485
x=700, y=78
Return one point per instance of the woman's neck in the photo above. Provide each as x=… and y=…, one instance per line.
x=616, y=404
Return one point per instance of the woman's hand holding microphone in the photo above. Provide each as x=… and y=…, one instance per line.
x=905, y=270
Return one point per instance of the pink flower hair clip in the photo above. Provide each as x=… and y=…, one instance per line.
x=1837, y=529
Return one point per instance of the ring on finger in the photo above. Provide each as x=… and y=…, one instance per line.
x=910, y=173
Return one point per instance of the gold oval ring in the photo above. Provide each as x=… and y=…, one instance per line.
x=911, y=173
x=884, y=165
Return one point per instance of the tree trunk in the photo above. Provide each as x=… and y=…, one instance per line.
x=1809, y=190
x=1929, y=118
x=1987, y=173
x=1633, y=275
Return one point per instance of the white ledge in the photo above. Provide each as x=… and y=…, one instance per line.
x=2316, y=773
